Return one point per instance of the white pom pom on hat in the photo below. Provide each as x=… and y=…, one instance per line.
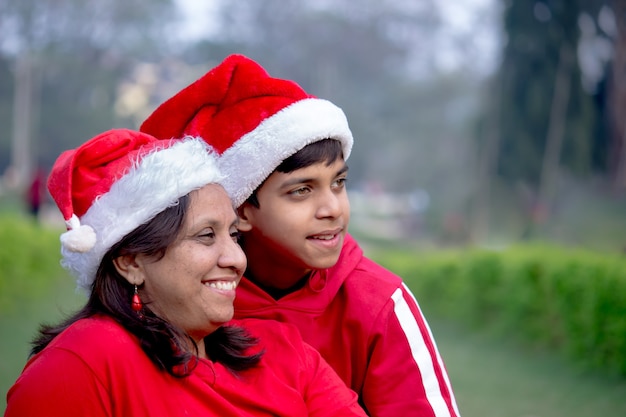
x=78, y=238
x=117, y=181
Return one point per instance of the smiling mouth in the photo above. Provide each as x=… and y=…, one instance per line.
x=326, y=236
x=323, y=237
x=221, y=285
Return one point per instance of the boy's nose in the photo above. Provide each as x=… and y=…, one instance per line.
x=329, y=205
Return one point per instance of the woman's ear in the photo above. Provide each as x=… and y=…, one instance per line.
x=244, y=217
x=129, y=268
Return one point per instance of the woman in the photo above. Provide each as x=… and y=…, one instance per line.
x=152, y=239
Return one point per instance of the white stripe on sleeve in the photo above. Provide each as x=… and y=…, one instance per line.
x=422, y=356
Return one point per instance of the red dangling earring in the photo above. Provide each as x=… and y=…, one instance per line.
x=136, y=303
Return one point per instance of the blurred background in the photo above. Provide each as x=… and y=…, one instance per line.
x=477, y=123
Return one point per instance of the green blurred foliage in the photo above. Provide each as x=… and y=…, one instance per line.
x=29, y=260
x=570, y=300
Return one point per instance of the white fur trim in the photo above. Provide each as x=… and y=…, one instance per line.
x=255, y=156
x=155, y=183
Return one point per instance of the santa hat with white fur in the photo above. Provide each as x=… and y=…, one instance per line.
x=252, y=120
x=116, y=182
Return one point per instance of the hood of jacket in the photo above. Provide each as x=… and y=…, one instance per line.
x=314, y=297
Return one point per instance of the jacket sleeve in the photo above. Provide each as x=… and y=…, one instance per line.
x=406, y=375
x=59, y=386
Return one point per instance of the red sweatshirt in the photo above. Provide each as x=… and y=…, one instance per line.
x=96, y=368
x=366, y=323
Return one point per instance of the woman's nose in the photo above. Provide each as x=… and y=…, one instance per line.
x=233, y=257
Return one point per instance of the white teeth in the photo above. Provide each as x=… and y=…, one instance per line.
x=327, y=237
x=222, y=285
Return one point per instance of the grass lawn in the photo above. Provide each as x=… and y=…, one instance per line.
x=490, y=379
x=503, y=380
x=18, y=327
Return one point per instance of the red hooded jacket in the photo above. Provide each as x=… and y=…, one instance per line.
x=366, y=323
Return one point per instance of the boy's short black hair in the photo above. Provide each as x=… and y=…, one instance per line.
x=325, y=150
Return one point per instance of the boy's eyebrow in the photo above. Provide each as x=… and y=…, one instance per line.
x=299, y=180
x=294, y=181
x=343, y=170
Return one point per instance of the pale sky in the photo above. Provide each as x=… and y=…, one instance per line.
x=198, y=14
x=464, y=18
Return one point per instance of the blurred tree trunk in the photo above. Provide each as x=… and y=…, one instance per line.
x=487, y=160
x=556, y=130
x=618, y=100
x=21, y=160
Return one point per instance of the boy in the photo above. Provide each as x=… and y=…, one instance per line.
x=283, y=152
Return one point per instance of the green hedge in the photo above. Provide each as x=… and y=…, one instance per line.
x=570, y=300
x=29, y=260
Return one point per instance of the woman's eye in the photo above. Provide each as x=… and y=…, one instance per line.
x=207, y=235
x=236, y=235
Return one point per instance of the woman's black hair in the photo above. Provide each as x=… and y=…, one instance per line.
x=325, y=150
x=165, y=344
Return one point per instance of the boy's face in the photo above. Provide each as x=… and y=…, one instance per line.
x=302, y=219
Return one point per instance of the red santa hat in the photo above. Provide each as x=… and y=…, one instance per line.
x=117, y=181
x=252, y=120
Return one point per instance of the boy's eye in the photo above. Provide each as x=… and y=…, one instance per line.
x=340, y=182
x=299, y=191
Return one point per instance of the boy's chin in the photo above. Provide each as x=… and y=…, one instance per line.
x=325, y=262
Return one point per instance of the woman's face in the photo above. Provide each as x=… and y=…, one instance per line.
x=193, y=285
